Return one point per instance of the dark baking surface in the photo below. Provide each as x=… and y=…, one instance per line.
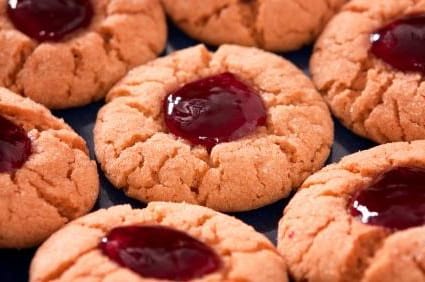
x=14, y=264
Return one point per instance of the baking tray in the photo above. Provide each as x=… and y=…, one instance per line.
x=14, y=264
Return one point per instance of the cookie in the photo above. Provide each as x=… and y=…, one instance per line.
x=362, y=219
x=369, y=65
x=46, y=175
x=68, y=54
x=281, y=25
x=232, y=130
x=165, y=241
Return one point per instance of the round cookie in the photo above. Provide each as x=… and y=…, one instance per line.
x=83, y=65
x=139, y=154
x=370, y=96
x=322, y=239
x=54, y=182
x=281, y=25
x=74, y=253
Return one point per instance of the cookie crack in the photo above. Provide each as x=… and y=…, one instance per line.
x=204, y=201
x=69, y=173
x=293, y=98
x=107, y=37
x=318, y=182
x=249, y=19
x=74, y=146
x=306, y=252
x=133, y=141
x=367, y=112
x=93, y=275
x=13, y=76
x=396, y=109
x=78, y=68
x=162, y=162
x=57, y=274
x=154, y=173
x=98, y=226
x=291, y=153
x=197, y=182
x=323, y=146
x=371, y=246
x=259, y=180
x=64, y=212
x=50, y=203
x=203, y=20
x=418, y=265
x=142, y=11
x=145, y=112
x=78, y=61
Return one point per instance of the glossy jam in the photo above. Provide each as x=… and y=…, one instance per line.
x=213, y=110
x=15, y=146
x=402, y=43
x=160, y=253
x=395, y=200
x=51, y=20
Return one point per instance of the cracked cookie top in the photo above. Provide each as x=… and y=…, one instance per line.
x=139, y=154
x=274, y=25
x=242, y=252
x=361, y=219
x=55, y=182
x=70, y=55
x=368, y=64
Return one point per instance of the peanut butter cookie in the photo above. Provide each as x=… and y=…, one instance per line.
x=362, y=219
x=46, y=175
x=369, y=64
x=69, y=53
x=163, y=242
x=232, y=130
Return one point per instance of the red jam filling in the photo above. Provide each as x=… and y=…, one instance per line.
x=395, y=200
x=49, y=20
x=213, y=110
x=15, y=146
x=402, y=44
x=160, y=252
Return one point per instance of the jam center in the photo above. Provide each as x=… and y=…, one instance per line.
x=15, y=146
x=396, y=199
x=213, y=110
x=160, y=252
x=49, y=19
x=401, y=44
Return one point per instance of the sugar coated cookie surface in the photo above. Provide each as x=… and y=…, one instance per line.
x=247, y=125
x=274, y=25
x=369, y=63
x=46, y=175
x=67, y=54
x=77, y=252
x=362, y=219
